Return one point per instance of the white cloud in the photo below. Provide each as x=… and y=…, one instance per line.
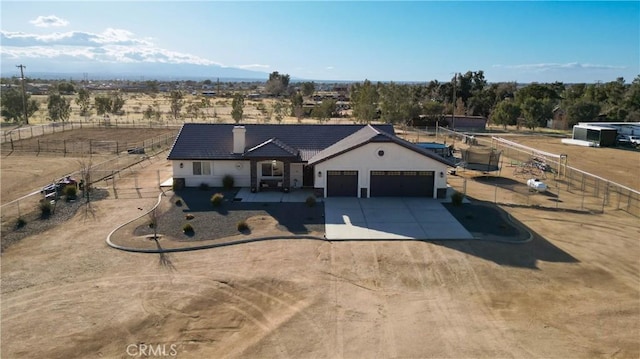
x=112, y=45
x=329, y=67
x=541, y=67
x=49, y=21
x=253, y=66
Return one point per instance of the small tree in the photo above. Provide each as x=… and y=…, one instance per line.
x=237, y=106
x=59, y=107
x=13, y=107
x=84, y=101
x=177, y=101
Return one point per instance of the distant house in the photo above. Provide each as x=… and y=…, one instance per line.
x=466, y=123
x=559, y=120
x=335, y=160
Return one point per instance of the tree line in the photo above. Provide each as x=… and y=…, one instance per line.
x=423, y=104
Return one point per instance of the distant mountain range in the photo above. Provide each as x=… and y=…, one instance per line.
x=48, y=69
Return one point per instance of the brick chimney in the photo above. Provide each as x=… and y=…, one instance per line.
x=238, y=139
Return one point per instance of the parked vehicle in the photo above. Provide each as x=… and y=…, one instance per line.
x=535, y=184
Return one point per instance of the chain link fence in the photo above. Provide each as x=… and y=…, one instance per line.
x=569, y=188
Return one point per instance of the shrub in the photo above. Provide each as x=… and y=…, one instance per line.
x=216, y=199
x=20, y=222
x=228, y=181
x=204, y=186
x=70, y=192
x=178, y=202
x=456, y=199
x=189, y=216
x=187, y=228
x=242, y=226
x=310, y=201
x=45, y=208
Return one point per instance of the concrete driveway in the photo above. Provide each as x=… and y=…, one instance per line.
x=390, y=218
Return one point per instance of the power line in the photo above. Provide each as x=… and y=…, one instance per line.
x=24, y=94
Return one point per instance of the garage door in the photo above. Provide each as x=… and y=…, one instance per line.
x=401, y=184
x=342, y=183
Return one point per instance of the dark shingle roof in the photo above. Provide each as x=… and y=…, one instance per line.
x=272, y=148
x=215, y=141
x=366, y=135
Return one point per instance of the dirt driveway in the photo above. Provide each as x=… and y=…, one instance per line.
x=572, y=292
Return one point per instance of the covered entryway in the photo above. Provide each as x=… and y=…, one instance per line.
x=401, y=184
x=342, y=183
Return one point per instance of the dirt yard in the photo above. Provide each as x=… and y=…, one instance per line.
x=572, y=292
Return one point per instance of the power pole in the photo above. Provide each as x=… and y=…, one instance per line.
x=24, y=94
x=453, y=111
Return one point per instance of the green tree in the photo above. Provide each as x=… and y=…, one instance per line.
x=324, y=110
x=117, y=103
x=84, y=101
x=506, y=113
x=237, y=107
x=582, y=111
x=102, y=104
x=278, y=109
x=59, y=107
x=534, y=113
x=296, y=105
x=13, y=106
x=66, y=88
x=364, y=101
x=396, y=103
x=277, y=83
x=177, y=101
x=194, y=110
x=308, y=88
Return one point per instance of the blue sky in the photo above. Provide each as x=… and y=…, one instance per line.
x=400, y=41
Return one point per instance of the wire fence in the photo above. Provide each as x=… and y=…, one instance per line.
x=26, y=132
x=569, y=188
x=121, y=176
x=24, y=140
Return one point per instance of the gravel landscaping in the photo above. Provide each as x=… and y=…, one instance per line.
x=214, y=222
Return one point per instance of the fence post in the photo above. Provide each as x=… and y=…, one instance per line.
x=90, y=148
x=495, y=194
x=31, y=131
x=38, y=146
x=64, y=143
x=159, y=183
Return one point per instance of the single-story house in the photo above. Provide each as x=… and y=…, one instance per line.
x=336, y=160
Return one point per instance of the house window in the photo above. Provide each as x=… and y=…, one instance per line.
x=201, y=168
x=271, y=169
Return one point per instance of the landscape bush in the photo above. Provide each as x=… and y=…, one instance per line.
x=228, y=181
x=70, y=192
x=456, y=199
x=45, y=208
x=20, y=222
x=216, y=199
x=310, y=201
x=187, y=228
x=189, y=216
x=242, y=226
x=178, y=202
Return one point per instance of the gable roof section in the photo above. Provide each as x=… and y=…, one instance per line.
x=272, y=148
x=202, y=141
x=367, y=135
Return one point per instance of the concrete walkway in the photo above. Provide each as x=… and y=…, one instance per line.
x=390, y=218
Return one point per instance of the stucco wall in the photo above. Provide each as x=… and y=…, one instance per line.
x=218, y=170
x=365, y=159
x=296, y=174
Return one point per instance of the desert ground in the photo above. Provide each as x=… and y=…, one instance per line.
x=571, y=292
